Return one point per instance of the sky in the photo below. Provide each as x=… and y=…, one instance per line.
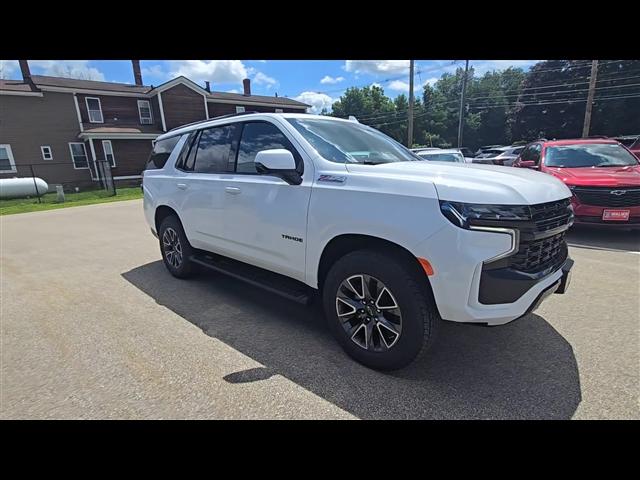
x=318, y=83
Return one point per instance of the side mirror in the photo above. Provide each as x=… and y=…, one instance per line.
x=278, y=162
x=528, y=164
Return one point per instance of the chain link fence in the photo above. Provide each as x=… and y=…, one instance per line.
x=52, y=177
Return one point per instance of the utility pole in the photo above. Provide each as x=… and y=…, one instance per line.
x=464, y=87
x=592, y=91
x=410, y=129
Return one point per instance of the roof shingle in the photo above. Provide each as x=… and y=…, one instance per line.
x=74, y=83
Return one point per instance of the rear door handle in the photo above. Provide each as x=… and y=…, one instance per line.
x=232, y=190
x=182, y=186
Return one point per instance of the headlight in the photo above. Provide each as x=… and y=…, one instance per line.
x=487, y=218
x=465, y=215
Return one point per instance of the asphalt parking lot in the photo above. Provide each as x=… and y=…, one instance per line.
x=92, y=326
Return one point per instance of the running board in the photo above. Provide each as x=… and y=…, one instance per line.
x=272, y=282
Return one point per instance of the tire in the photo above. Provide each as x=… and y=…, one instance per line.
x=419, y=319
x=172, y=241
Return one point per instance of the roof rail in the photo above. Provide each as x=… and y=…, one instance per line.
x=213, y=118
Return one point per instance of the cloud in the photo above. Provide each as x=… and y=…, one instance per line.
x=55, y=68
x=154, y=71
x=233, y=90
x=215, y=71
x=400, y=86
x=376, y=67
x=8, y=68
x=331, y=80
x=483, y=66
x=318, y=101
x=262, y=79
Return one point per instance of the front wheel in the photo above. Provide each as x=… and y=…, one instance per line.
x=379, y=309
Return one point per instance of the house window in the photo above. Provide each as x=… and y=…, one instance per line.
x=144, y=109
x=79, y=155
x=279, y=110
x=108, y=152
x=46, y=152
x=239, y=109
x=95, y=110
x=7, y=164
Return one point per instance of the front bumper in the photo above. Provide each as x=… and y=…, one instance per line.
x=591, y=215
x=457, y=257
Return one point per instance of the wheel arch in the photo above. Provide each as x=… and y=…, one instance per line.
x=341, y=245
x=162, y=212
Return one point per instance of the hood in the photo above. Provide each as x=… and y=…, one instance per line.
x=476, y=183
x=598, y=176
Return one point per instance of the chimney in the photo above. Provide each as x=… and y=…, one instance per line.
x=137, y=75
x=207, y=86
x=247, y=86
x=24, y=68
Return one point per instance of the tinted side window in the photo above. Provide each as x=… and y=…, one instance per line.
x=161, y=152
x=258, y=136
x=190, y=158
x=535, y=153
x=213, y=149
x=186, y=147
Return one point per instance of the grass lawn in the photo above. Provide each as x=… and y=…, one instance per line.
x=23, y=205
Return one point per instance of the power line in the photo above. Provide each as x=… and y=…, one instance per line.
x=553, y=102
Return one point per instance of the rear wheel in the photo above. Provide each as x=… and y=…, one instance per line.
x=175, y=248
x=380, y=309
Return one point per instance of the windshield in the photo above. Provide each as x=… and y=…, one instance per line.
x=350, y=142
x=588, y=155
x=442, y=157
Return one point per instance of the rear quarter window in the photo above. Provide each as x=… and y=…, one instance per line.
x=161, y=152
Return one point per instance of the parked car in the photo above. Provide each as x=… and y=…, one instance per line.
x=466, y=152
x=442, y=155
x=484, y=149
x=423, y=149
x=390, y=245
x=504, y=156
x=602, y=174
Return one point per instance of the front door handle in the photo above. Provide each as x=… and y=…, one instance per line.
x=232, y=190
x=182, y=186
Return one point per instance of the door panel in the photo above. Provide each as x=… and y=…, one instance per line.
x=265, y=217
x=266, y=222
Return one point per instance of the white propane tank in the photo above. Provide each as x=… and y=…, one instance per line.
x=22, y=187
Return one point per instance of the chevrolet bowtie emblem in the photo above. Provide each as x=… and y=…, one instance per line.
x=618, y=192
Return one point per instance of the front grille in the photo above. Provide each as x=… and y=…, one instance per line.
x=602, y=197
x=539, y=255
x=552, y=215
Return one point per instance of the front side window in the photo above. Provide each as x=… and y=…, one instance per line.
x=7, y=164
x=351, y=142
x=94, y=110
x=108, y=152
x=161, y=152
x=257, y=136
x=79, y=155
x=144, y=110
x=214, y=146
x=46, y=152
x=589, y=155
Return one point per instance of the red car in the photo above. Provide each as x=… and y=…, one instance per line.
x=603, y=175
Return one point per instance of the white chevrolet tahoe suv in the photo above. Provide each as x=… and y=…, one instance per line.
x=306, y=205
